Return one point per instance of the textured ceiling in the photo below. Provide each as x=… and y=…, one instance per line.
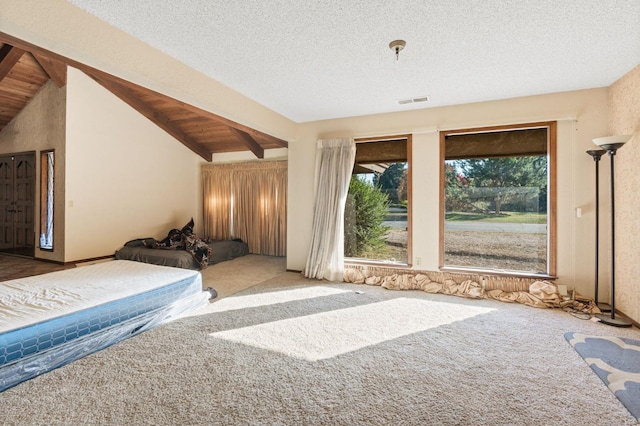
x=313, y=60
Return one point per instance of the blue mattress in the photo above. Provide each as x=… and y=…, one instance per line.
x=30, y=349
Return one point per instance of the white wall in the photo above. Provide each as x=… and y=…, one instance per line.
x=574, y=170
x=41, y=126
x=125, y=177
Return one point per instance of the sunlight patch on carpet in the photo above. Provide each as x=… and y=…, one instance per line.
x=273, y=297
x=329, y=334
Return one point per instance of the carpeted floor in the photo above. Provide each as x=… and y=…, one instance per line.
x=241, y=273
x=286, y=350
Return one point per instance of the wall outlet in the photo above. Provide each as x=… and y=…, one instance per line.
x=418, y=261
x=562, y=290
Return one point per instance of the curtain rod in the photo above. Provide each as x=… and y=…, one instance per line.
x=438, y=129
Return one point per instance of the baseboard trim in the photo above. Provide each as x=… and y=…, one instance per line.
x=625, y=316
x=40, y=259
x=89, y=260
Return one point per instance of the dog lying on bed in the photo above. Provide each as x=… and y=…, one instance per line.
x=184, y=239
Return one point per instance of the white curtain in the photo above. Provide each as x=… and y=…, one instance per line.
x=334, y=164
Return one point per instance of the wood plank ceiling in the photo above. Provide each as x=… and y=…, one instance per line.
x=25, y=68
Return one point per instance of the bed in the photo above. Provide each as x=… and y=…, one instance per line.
x=49, y=320
x=222, y=250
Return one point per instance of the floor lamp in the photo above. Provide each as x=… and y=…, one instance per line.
x=611, y=144
x=597, y=154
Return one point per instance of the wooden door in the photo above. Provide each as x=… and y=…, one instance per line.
x=17, y=202
x=6, y=203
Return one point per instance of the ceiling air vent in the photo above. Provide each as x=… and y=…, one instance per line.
x=413, y=100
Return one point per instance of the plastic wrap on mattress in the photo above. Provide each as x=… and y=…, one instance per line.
x=29, y=349
x=31, y=366
x=34, y=338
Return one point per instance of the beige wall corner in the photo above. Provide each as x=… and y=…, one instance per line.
x=624, y=119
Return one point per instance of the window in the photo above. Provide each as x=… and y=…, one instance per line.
x=378, y=209
x=498, y=203
x=46, y=200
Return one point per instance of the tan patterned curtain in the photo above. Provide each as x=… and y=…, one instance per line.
x=257, y=194
x=216, y=184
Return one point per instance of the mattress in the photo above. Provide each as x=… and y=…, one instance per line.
x=49, y=320
x=221, y=250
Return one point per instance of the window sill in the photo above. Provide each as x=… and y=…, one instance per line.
x=496, y=272
x=371, y=262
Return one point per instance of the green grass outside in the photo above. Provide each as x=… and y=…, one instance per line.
x=504, y=217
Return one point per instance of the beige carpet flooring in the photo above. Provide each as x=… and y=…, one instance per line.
x=228, y=278
x=289, y=351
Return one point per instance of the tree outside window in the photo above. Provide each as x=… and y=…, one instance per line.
x=496, y=200
x=377, y=209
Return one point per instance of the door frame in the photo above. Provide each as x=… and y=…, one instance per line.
x=28, y=248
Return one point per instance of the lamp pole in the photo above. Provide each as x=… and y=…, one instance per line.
x=611, y=148
x=597, y=154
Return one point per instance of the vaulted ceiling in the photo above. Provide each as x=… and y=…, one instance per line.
x=25, y=68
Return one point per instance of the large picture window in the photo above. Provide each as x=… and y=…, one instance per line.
x=498, y=203
x=378, y=208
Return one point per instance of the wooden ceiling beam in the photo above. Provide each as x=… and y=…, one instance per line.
x=272, y=139
x=56, y=70
x=255, y=134
x=159, y=119
x=248, y=141
x=9, y=56
x=36, y=50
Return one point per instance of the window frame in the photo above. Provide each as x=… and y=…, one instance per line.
x=379, y=262
x=45, y=195
x=551, y=127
